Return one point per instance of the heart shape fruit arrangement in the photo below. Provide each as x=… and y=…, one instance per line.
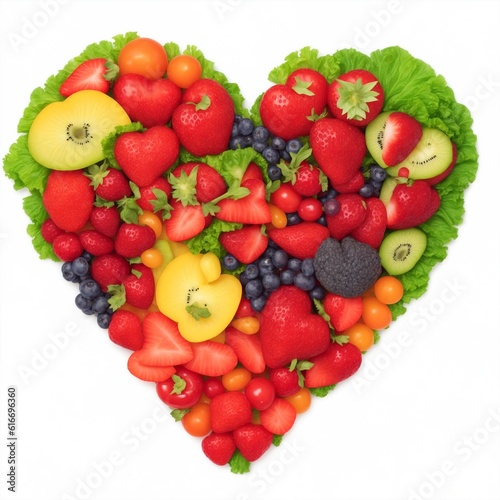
x=246, y=258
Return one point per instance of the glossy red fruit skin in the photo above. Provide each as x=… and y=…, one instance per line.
x=252, y=440
x=189, y=396
x=219, y=447
x=229, y=411
x=67, y=247
x=286, y=382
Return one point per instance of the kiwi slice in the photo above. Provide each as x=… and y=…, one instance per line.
x=67, y=135
x=401, y=250
x=374, y=136
x=431, y=156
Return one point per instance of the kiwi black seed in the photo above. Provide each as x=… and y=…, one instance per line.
x=401, y=250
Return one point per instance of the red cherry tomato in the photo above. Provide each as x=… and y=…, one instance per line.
x=260, y=392
x=310, y=209
x=213, y=387
x=286, y=198
x=182, y=390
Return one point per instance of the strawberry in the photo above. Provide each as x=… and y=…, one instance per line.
x=288, y=110
x=300, y=240
x=285, y=381
x=154, y=197
x=67, y=247
x=89, y=75
x=344, y=312
x=196, y=182
x=68, y=199
x=184, y=222
x=106, y=220
x=351, y=214
x=145, y=156
x=139, y=286
x=279, y=417
x=252, y=440
x=253, y=171
x=212, y=359
x=401, y=134
x=163, y=344
x=96, y=243
x=337, y=363
x=109, y=183
x=151, y=102
x=125, y=329
x=50, y=231
x=146, y=372
x=339, y=148
x=251, y=209
x=356, y=97
x=133, y=239
x=438, y=178
x=203, y=121
x=353, y=185
x=247, y=349
x=229, y=410
x=246, y=244
x=372, y=230
x=110, y=269
x=308, y=181
x=288, y=330
x=219, y=447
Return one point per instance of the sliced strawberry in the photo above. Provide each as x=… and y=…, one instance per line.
x=246, y=244
x=212, y=358
x=372, y=230
x=148, y=373
x=279, y=417
x=163, y=344
x=401, y=134
x=253, y=171
x=344, y=312
x=247, y=348
x=351, y=214
x=251, y=209
x=301, y=240
x=87, y=76
x=185, y=222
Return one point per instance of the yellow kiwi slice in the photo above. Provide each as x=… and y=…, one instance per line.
x=67, y=135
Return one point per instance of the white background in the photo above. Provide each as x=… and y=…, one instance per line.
x=417, y=420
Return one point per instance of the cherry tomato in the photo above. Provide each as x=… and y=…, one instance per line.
x=301, y=400
x=184, y=70
x=143, y=56
x=152, y=258
x=248, y=325
x=260, y=392
x=213, y=387
x=286, y=198
x=245, y=308
x=388, y=290
x=376, y=314
x=278, y=217
x=361, y=336
x=182, y=390
x=150, y=219
x=310, y=209
x=236, y=379
x=197, y=421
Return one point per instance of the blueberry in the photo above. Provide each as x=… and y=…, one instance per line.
x=237, y=118
x=67, y=272
x=83, y=303
x=89, y=289
x=270, y=282
x=265, y=266
x=258, y=303
x=278, y=143
x=260, y=134
x=100, y=304
x=307, y=267
x=269, y=252
x=230, y=262
x=259, y=146
x=366, y=191
x=234, y=131
x=274, y=172
x=245, y=126
x=251, y=271
x=80, y=266
x=287, y=276
x=376, y=184
x=87, y=256
x=327, y=195
x=293, y=146
x=331, y=206
x=322, y=220
x=236, y=142
x=285, y=155
x=304, y=282
x=295, y=265
x=377, y=173
x=280, y=258
x=271, y=155
x=318, y=292
x=293, y=219
x=103, y=320
x=254, y=289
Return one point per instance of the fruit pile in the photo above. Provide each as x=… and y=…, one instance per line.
x=247, y=259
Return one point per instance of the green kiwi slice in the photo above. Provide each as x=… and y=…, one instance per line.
x=401, y=250
x=431, y=156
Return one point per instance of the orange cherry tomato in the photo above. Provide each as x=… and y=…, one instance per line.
x=152, y=258
x=197, y=421
x=150, y=219
x=388, y=290
x=361, y=336
x=301, y=400
x=143, y=56
x=278, y=217
x=236, y=379
x=248, y=325
x=184, y=70
x=376, y=314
